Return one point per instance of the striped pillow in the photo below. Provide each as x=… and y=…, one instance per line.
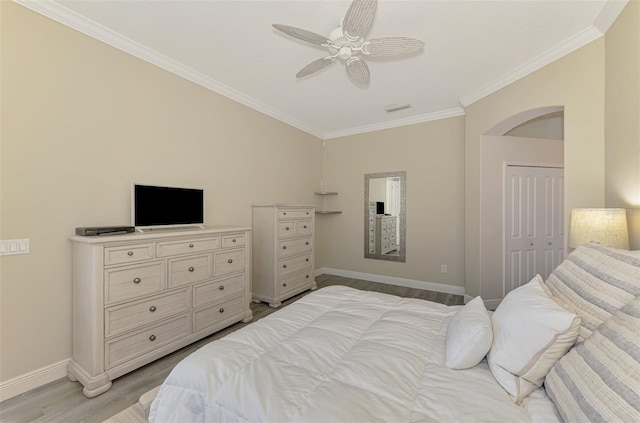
x=594, y=282
x=599, y=379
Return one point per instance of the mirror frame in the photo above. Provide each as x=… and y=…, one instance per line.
x=401, y=256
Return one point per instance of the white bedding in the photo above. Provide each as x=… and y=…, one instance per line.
x=339, y=355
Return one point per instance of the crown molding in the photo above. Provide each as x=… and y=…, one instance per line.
x=93, y=29
x=573, y=43
x=443, y=114
x=609, y=14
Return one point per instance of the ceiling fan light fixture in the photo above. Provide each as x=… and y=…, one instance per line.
x=347, y=43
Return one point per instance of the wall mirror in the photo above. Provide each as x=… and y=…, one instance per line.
x=385, y=216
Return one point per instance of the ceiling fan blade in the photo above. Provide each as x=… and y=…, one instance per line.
x=358, y=72
x=302, y=34
x=359, y=18
x=315, y=66
x=391, y=46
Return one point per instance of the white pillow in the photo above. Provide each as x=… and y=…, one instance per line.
x=530, y=333
x=469, y=336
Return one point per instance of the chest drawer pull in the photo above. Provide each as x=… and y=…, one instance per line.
x=152, y=338
x=307, y=276
x=130, y=253
x=152, y=309
x=191, y=269
x=306, y=259
x=284, y=247
x=306, y=243
x=286, y=229
x=305, y=226
x=230, y=261
x=284, y=266
x=221, y=287
x=190, y=245
x=234, y=240
x=221, y=310
x=137, y=280
x=284, y=284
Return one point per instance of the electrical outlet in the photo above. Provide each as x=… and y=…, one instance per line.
x=443, y=268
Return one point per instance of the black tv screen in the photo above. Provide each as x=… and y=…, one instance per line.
x=379, y=207
x=166, y=206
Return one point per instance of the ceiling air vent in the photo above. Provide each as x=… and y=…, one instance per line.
x=395, y=107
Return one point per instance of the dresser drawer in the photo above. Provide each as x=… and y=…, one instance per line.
x=293, y=247
x=227, y=262
x=229, y=241
x=214, y=314
x=294, y=282
x=124, y=283
x=130, y=316
x=165, y=249
x=127, y=254
x=293, y=228
x=210, y=292
x=124, y=348
x=190, y=269
x=294, y=213
x=289, y=266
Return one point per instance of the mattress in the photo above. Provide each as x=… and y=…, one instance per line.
x=339, y=355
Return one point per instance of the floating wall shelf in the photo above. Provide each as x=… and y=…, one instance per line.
x=326, y=211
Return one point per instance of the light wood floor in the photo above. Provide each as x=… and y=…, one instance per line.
x=63, y=401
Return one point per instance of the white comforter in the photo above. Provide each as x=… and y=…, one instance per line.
x=339, y=355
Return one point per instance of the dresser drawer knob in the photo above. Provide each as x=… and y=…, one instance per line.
x=284, y=214
x=130, y=253
x=284, y=247
x=306, y=243
x=152, y=338
x=191, y=269
x=190, y=245
x=305, y=226
x=284, y=284
x=137, y=280
x=152, y=309
x=221, y=287
x=306, y=259
x=307, y=212
x=221, y=310
x=284, y=266
x=307, y=276
x=233, y=240
x=230, y=261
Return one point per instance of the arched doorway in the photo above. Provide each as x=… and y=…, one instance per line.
x=522, y=159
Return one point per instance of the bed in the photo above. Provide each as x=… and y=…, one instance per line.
x=345, y=355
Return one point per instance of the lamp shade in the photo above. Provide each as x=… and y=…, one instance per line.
x=603, y=226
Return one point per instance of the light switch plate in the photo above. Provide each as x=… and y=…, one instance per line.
x=9, y=247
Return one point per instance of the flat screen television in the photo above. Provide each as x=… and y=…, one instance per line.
x=379, y=207
x=154, y=206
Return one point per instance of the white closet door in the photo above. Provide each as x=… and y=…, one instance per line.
x=534, y=223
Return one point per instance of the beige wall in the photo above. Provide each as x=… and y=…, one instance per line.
x=432, y=154
x=81, y=121
x=576, y=82
x=622, y=124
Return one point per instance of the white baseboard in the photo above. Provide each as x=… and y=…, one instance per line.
x=32, y=380
x=409, y=283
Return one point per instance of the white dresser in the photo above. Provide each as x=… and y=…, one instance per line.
x=138, y=297
x=385, y=234
x=283, y=251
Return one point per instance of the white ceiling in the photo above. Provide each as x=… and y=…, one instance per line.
x=472, y=48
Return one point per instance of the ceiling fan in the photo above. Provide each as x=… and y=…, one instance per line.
x=347, y=43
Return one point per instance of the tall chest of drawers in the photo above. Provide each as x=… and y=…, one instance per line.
x=283, y=252
x=138, y=297
x=386, y=227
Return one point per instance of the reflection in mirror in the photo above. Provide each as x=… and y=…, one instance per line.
x=384, y=216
